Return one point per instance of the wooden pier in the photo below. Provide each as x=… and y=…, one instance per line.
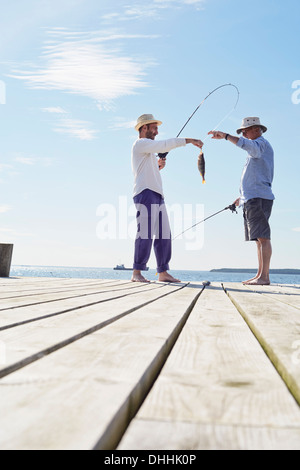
x=115, y=365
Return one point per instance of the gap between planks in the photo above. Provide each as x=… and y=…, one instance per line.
x=51, y=349
x=182, y=304
x=24, y=308
x=218, y=390
x=114, y=432
x=275, y=332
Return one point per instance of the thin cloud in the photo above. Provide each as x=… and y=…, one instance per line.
x=69, y=126
x=76, y=128
x=171, y=3
x=55, y=110
x=86, y=64
x=120, y=123
x=196, y=3
x=26, y=160
x=137, y=11
x=33, y=160
x=8, y=233
x=296, y=229
x=5, y=166
x=4, y=208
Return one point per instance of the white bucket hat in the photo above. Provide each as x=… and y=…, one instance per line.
x=146, y=119
x=249, y=122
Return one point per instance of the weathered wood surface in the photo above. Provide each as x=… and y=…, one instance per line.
x=78, y=359
x=218, y=389
x=275, y=320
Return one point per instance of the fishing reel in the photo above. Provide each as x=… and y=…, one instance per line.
x=163, y=156
x=232, y=207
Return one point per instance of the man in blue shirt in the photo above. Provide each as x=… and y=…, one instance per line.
x=256, y=194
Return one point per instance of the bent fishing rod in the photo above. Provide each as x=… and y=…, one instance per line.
x=232, y=207
x=164, y=155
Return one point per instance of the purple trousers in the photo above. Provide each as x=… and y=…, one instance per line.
x=152, y=223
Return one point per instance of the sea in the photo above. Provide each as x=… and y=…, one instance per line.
x=110, y=273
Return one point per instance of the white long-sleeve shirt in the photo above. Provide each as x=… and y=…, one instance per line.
x=144, y=162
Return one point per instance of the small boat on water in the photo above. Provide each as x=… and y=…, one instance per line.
x=121, y=267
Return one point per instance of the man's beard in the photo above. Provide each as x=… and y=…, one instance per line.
x=150, y=135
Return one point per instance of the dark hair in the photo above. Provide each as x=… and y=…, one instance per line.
x=142, y=128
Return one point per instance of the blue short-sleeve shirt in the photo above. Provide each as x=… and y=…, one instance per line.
x=258, y=173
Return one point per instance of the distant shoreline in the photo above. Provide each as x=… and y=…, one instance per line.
x=240, y=270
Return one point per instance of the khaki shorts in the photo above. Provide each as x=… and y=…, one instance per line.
x=257, y=212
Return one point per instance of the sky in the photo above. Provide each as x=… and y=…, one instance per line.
x=74, y=77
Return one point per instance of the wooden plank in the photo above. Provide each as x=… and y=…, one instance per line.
x=289, y=295
x=50, y=331
x=217, y=382
x=49, y=296
x=25, y=313
x=83, y=395
x=18, y=290
x=276, y=325
x=180, y=436
x=17, y=284
x=16, y=299
x=14, y=281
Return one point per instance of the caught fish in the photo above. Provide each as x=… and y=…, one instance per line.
x=201, y=166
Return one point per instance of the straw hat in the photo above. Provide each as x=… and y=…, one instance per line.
x=249, y=122
x=146, y=119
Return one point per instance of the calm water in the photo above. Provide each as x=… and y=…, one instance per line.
x=109, y=273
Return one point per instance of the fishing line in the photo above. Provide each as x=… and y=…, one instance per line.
x=232, y=207
x=163, y=155
x=209, y=94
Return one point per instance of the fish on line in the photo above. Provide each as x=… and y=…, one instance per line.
x=201, y=166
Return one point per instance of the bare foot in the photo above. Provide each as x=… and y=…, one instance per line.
x=259, y=282
x=166, y=277
x=138, y=277
x=250, y=280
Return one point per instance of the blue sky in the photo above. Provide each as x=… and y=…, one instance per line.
x=74, y=77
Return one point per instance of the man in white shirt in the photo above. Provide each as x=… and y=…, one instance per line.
x=148, y=196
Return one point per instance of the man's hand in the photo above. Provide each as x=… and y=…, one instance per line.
x=196, y=142
x=222, y=135
x=161, y=163
x=217, y=134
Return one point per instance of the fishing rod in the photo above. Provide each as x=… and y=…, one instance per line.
x=232, y=207
x=164, y=155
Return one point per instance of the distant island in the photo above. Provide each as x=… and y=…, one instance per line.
x=250, y=270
